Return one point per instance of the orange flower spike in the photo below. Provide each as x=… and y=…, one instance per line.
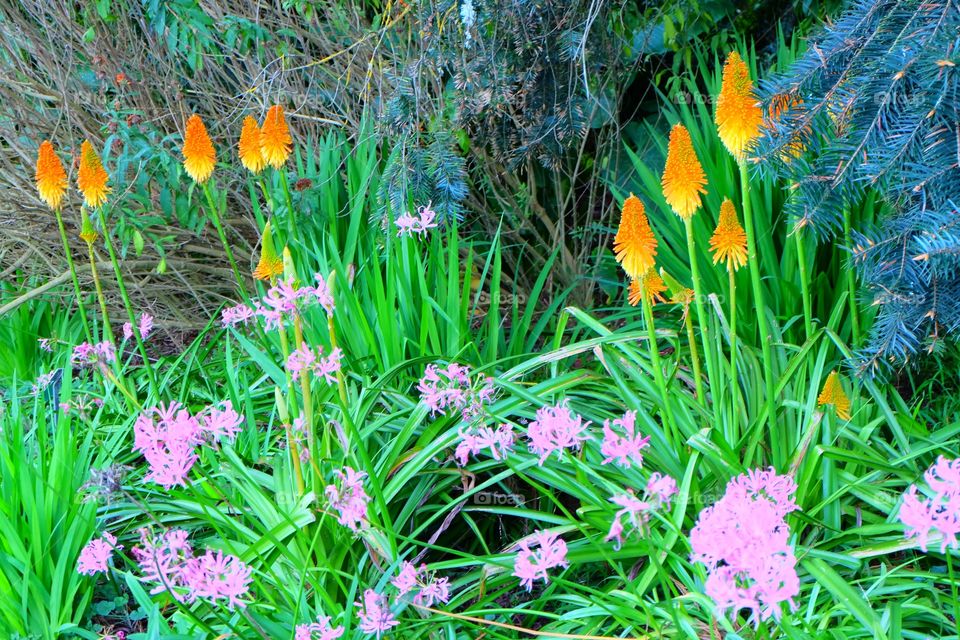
x=635, y=245
x=249, y=147
x=199, y=156
x=51, y=177
x=738, y=116
x=834, y=394
x=275, y=140
x=92, y=177
x=270, y=265
x=650, y=286
x=729, y=240
x=683, y=178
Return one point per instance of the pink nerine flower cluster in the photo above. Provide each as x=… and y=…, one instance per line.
x=306, y=359
x=280, y=302
x=319, y=630
x=96, y=554
x=533, y=563
x=145, y=325
x=556, y=429
x=374, y=613
x=744, y=541
x=430, y=589
x=168, y=560
x=424, y=220
x=474, y=440
x=168, y=437
x=87, y=355
x=658, y=493
x=940, y=512
x=624, y=448
x=349, y=500
x=452, y=388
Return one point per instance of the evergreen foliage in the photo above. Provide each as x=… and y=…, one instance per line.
x=874, y=103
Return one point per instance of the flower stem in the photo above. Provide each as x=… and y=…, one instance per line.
x=292, y=408
x=134, y=325
x=804, y=282
x=953, y=591
x=851, y=283
x=307, y=399
x=694, y=356
x=758, y=299
x=657, y=367
x=698, y=301
x=734, y=434
x=215, y=217
x=107, y=330
x=73, y=275
x=291, y=218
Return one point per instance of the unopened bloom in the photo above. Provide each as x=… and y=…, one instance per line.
x=738, y=115
x=96, y=555
x=271, y=264
x=199, y=156
x=249, y=146
x=683, y=179
x=533, y=563
x=374, y=613
x=650, y=286
x=50, y=176
x=92, y=177
x=744, y=541
x=729, y=240
x=349, y=499
x=624, y=448
x=319, y=630
x=833, y=394
x=940, y=512
x=474, y=440
x=635, y=245
x=275, y=140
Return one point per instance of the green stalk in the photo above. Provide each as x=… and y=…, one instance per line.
x=831, y=510
x=758, y=298
x=107, y=330
x=291, y=408
x=734, y=434
x=307, y=401
x=804, y=283
x=698, y=300
x=694, y=357
x=657, y=367
x=134, y=325
x=215, y=216
x=291, y=218
x=73, y=275
x=851, y=282
x=953, y=591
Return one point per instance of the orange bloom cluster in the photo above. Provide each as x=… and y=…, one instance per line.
x=270, y=265
x=649, y=286
x=729, y=240
x=635, y=245
x=249, y=147
x=738, y=114
x=683, y=179
x=275, y=140
x=51, y=178
x=92, y=177
x=199, y=156
x=834, y=394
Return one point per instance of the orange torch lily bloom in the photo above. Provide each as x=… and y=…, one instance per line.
x=635, y=245
x=683, y=179
x=249, y=147
x=275, y=140
x=92, y=177
x=199, y=156
x=729, y=240
x=738, y=114
x=51, y=178
x=834, y=394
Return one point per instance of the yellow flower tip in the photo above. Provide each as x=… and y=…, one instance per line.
x=738, y=115
x=729, y=240
x=249, y=147
x=634, y=245
x=275, y=140
x=199, y=156
x=270, y=265
x=51, y=177
x=92, y=177
x=834, y=394
x=683, y=178
x=650, y=286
